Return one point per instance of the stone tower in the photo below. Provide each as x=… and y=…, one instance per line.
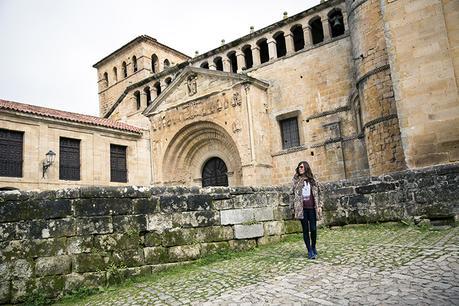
x=373, y=81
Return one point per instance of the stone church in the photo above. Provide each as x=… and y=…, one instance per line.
x=356, y=88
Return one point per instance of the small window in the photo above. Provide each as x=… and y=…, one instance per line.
x=264, y=50
x=11, y=153
x=125, y=74
x=218, y=63
x=166, y=64
x=205, y=65
x=289, y=131
x=118, y=167
x=69, y=159
x=137, y=99
x=115, y=74
x=134, y=63
x=106, y=79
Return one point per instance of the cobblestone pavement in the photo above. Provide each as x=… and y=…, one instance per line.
x=356, y=266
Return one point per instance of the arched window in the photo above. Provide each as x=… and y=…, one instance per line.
x=317, y=30
x=168, y=81
x=247, y=50
x=214, y=173
x=298, y=37
x=106, y=79
x=154, y=64
x=115, y=74
x=166, y=63
x=124, y=69
x=205, y=65
x=264, y=52
x=137, y=99
x=233, y=61
x=218, y=63
x=157, y=87
x=147, y=92
x=335, y=19
x=134, y=63
x=280, y=44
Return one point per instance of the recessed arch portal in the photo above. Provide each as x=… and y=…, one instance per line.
x=192, y=147
x=214, y=173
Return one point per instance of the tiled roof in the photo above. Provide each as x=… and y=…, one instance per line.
x=67, y=116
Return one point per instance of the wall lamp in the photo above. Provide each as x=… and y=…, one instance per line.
x=49, y=161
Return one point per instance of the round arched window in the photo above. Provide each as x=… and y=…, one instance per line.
x=214, y=173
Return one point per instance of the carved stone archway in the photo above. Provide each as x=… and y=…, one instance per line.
x=192, y=146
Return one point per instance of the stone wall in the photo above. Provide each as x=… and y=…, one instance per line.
x=429, y=193
x=56, y=241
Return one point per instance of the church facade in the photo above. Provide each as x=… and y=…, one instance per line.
x=356, y=88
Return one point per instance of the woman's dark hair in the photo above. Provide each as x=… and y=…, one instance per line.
x=307, y=171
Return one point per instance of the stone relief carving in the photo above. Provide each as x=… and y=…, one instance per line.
x=192, y=85
x=237, y=100
x=236, y=126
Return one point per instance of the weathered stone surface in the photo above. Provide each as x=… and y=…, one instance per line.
x=248, y=231
x=159, y=222
x=236, y=216
x=214, y=247
x=241, y=245
x=5, y=291
x=91, y=279
x=54, y=265
x=128, y=258
x=196, y=218
x=102, y=207
x=156, y=255
x=79, y=244
x=94, y=225
x=88, y=263
x=268, y=239
x=184, y=252
x=113, y=242
x=146, y=205
x=129, y=223
x=22, y=268
x=273, y=228
x=292, y=226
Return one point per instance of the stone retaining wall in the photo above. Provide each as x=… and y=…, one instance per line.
x=56, y=241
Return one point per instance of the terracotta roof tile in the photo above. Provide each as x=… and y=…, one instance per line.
x=67, y=116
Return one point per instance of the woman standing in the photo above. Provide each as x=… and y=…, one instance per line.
x=307, y=205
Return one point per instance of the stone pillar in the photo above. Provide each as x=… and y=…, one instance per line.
x=345, y=21
x=307, y=36
x=226, y=65
x=256, y=55
x=240, y=60
x=153, y=93
x=289, y=44
x=212, y=65
x=326, y=28
x=272, y=48
x=163, y=85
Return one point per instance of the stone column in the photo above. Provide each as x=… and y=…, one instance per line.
x=272, y=48
x=163, y=85
x=307, y=36
x=345, y=21
x=226, y=65
x=326, y=28
x=256, y=56
x=240, y=60
x=212, y=65
x=289, y=44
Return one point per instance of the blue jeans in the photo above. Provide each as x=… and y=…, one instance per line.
x=309, y=224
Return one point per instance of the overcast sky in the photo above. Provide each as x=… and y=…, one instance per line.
x=48, y=47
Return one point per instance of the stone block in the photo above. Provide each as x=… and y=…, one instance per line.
x=34, y=248
x=79, y=244
x=268, y=240
x=199, y=202
x=7, y=231
x=274, y=228
x=236, y=216
x=54, y=265
x=58, y=228
x=213, y=234
x=94, y=225
x=242, y=245
x=159, y=222
x=196, y=218
x=214, y=247
x=114, y=242
x=153, y=239
x=263, y=213
x=170, y=204
x=282, y=213
x=146, y=205
x=34, y=209
x=129, y=223
x=374, y=188
x=128, y=258
x=222, y=204
x=102, y=207
x=74, y=281
x=21, y=288
x=292, y=226
x=184, y=252
x=88, y=263
x=248, y=231
x=155, y=255
x=22, y=268
x=5, y=271
x=50, y=286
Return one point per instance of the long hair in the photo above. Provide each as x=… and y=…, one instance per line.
x=307, y=172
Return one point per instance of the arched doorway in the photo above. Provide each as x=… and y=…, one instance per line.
x=214, y=173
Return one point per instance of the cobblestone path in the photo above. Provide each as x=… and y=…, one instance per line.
x=367, y=265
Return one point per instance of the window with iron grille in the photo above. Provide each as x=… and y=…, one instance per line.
x=69, y=159
x=118, y=167
x=289, y=131
x=11, y=153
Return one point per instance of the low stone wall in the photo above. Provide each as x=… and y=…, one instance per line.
x=55, y=241
x=430, y=193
